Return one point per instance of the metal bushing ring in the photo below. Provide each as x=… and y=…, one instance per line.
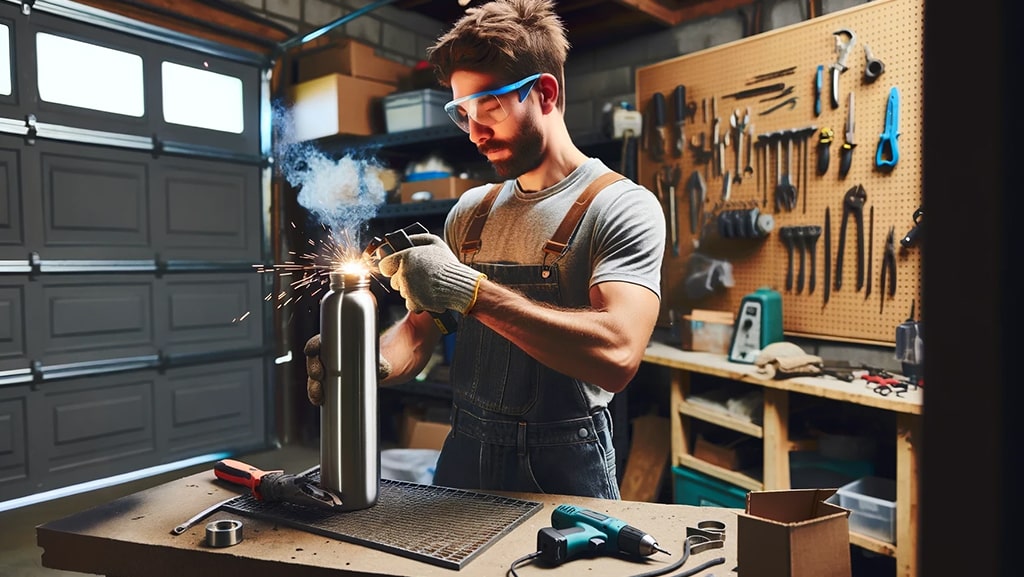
x=224, y=533
x=706, y=535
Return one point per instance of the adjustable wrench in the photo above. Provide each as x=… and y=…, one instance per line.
x=843, y=48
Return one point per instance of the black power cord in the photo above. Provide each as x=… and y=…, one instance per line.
x=521, y=561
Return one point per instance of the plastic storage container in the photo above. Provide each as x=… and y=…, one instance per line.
x=695, y=488
x=872, y=502
x=415, y=109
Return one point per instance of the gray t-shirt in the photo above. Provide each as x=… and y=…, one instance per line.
x=620, y=238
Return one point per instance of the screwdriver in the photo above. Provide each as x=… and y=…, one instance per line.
x=846, y=154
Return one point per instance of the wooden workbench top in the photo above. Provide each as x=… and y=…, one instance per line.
x=131, y=537
x=856, y=392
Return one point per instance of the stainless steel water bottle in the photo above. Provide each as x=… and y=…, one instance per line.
x=349, y=455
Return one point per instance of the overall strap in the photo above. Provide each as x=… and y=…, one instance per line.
x=471, y=243
x=560, y=240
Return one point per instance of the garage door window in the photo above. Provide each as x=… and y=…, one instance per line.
x=90, y=76
x=5, y=60
x=202, y=98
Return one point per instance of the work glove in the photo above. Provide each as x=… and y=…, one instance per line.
x=782, y=360
x=430, y=278
x=315, y=370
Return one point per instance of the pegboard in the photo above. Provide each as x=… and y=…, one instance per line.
x=893, y=31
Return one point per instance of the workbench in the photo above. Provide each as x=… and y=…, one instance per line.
x=131, y=537
x=774, y=434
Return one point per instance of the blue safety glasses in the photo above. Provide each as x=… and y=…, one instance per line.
x=486, y=107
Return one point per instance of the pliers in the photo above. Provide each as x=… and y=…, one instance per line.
x=853, y=203
x=276, y=486
x=889, y=266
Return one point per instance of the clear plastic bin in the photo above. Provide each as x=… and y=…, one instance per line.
x=415, y=109
x=872, y=502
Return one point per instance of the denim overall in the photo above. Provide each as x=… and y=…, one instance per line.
x=518, y=425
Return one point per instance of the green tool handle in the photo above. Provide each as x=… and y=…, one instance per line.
x=557, y=546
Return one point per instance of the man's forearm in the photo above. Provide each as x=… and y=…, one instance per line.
x=407, y=345
x=591, y=344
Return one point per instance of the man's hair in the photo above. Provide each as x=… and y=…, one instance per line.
x=508, y=38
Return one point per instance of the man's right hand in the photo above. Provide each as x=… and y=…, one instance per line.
x=315, y=370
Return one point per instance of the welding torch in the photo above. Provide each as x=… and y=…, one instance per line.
x=393, y=242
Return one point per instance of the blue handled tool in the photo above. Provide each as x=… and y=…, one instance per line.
x=817, y=89
x=888, y=154
x=577, y=531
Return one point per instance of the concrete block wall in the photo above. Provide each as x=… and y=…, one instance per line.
x=594, y=78
x=400, y=35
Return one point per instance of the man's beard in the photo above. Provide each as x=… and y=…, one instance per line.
x=525, y=152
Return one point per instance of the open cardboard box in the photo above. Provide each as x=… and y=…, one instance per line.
x=793, y=533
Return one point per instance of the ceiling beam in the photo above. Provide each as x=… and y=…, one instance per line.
x=675, y=12
x=212, y=21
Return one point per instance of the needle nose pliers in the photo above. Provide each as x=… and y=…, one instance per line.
x=889, y=266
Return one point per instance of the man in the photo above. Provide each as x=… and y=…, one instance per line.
x=557, y=305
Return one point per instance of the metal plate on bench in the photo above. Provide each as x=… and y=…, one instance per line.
x=437, y=525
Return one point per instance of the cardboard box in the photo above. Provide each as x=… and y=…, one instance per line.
x=439, y=188
x=708, y=331
x=350, y=58
x=420, y=433
x=793, y=533
x=337, y=104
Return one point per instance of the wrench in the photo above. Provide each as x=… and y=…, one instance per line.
x=200, y=516
x=839, y=66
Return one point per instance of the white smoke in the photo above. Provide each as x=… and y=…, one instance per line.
x=342, y=194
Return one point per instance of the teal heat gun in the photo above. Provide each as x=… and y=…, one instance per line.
x=576, y=532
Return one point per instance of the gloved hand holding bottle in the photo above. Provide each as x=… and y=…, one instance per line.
x=315, y=370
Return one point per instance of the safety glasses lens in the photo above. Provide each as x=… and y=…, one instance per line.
x=486, y=110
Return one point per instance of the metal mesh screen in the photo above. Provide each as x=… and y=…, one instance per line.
x=438, y=525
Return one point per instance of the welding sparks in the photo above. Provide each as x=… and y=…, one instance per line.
x=313, y=269
x=342, y=194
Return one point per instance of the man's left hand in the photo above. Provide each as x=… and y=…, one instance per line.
x=430, y=278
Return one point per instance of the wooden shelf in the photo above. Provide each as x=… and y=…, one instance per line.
x=722, y=419
x=873, y=545
x=719, y=365
x=775, y=438
x=735, y=477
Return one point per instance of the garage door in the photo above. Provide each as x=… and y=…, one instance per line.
x=133, y=330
